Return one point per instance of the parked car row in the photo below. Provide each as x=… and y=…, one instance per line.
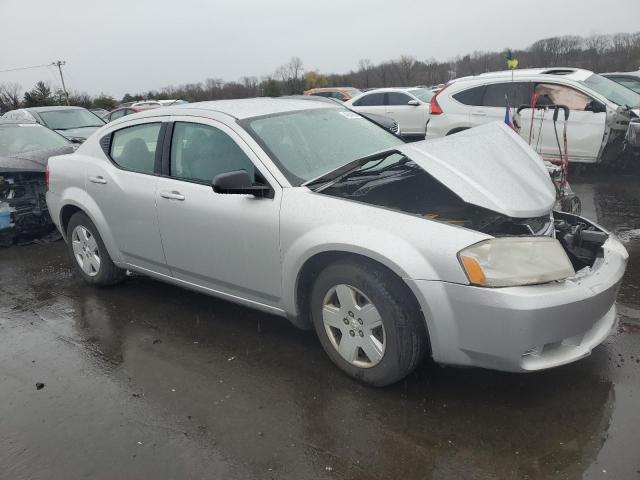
x=600, y=109
x=603, y=121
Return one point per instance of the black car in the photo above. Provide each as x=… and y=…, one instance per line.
x=24, y=151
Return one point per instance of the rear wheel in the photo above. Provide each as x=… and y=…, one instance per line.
x=89, y=253
x=368, y=322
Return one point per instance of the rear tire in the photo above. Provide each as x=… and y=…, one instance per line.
x=89, y=254
x=368, y=322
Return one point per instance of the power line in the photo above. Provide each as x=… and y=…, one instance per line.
x=25, y=68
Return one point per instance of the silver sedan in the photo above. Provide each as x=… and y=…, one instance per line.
x=391, y=251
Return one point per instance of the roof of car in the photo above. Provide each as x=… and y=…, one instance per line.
x=52, y=108
x=566, y=72
x=630, y=74
x=250, y=107
x=6, y=121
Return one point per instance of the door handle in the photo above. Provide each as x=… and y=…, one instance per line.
x=99, y=179
x=174, y=195
x=479, y=114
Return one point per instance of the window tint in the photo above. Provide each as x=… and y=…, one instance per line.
x=371, y=100
x=115, y=115
x=632, y=83
x=322, y=94
x=134, y=148
x=397, y=98
x=518, y=93
x=471, y=96
x=200, y=152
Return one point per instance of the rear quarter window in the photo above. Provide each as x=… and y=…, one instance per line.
x=134, y=148
x=471, y=96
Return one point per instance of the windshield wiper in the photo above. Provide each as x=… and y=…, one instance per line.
x=337, y=174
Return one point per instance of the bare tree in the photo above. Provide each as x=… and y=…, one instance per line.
x=292, y=75
x=10, y=96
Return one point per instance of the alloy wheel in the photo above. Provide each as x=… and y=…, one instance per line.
x=354, y=326
x=85, y=250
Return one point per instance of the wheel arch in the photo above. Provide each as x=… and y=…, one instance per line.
x=70, y=206
x=316, y=262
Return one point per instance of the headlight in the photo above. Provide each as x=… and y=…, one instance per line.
x=506, y=262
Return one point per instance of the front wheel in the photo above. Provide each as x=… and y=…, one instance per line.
x=89, y=254
x=368, y=322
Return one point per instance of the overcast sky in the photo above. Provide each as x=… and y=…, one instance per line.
x=118, y=46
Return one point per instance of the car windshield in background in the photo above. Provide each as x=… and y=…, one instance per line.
x=17, y=139
x=353, y=92
x=309, y=143
x=423, y=94
x=68, y=119
x=612, y=91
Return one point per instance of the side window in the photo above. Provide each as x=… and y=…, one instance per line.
x=200, y=152
x=555, y=94
x=471, y=96
x=321, y=94
x=371, y=100
x=397, y=98
x=115, y=115
x=518, y=93
x=134, y=148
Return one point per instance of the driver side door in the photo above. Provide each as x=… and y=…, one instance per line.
x=226, y=243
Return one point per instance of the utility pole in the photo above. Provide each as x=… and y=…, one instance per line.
x=59, y=64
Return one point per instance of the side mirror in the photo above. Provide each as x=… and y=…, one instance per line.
x=595, y=107
x=239, y=183
x=413, y=103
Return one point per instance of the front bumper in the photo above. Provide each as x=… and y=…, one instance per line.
x=524, y=328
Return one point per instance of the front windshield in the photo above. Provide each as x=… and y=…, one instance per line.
x=309, y=143
x=612, y=91
x=68, y=119
x=17, y=139
x=423, y=94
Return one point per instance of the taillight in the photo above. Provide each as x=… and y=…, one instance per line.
x=434, y=105
x=46, y=177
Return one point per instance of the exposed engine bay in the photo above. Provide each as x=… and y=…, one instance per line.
x=23, y=207
x=408, y=188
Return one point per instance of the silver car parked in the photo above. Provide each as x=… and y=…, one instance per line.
x=391, y=251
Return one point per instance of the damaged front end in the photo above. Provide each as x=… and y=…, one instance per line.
x=23, y=208
x=24, y=216
x=488, y=181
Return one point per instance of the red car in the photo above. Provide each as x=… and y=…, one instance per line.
x=129, y=109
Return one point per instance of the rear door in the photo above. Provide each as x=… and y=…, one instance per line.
x=222, y=242
x=412, y=119
x=495, y=98
x=124, y=188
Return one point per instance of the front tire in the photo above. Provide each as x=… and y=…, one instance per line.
x=368, y=322
x=89, y=253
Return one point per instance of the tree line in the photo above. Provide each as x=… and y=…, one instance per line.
x=600, y=53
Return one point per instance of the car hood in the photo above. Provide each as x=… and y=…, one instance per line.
x=82, y=132
x=489, y=166
x=31, y=161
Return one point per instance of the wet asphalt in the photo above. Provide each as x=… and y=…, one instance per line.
x=149, y=381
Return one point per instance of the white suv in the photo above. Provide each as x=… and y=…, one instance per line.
x=600, y=109
x=407, y=106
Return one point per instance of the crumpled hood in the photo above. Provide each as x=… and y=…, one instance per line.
x=83, y=132
x=489, y=166
x=31, y=161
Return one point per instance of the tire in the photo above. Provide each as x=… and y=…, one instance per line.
x=84, y=248
x=403, y=334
